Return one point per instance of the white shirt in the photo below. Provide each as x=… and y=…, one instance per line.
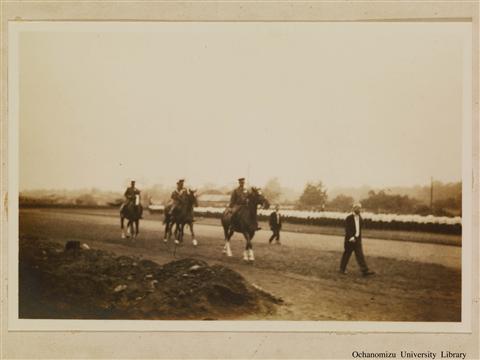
x=357, y=224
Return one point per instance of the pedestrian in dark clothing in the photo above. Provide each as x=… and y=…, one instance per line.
x=275, y=225
x=353, y=241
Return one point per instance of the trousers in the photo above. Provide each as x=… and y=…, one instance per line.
x=275, y=235
x=356, y=247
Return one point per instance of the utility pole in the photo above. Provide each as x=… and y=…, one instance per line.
x=431, y=194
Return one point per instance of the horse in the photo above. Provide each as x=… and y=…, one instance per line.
x=132, y=211
x=182, y=215
x=244, y=221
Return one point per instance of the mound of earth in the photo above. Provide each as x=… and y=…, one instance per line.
x=85, y=283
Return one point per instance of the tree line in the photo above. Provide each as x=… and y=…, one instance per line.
x=315, y=197
x=447, y=198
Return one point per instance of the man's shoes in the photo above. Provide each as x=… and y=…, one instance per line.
x=368, y=273
x=259, y=228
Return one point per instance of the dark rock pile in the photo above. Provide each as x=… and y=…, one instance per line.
x=81, y=283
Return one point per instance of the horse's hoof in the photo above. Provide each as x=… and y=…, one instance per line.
x=177, y=242
x=165, y=240
x=245, y=256
x=194, y=242
x=123, y=236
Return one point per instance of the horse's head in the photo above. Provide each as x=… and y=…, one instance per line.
x=257, y=198
x=192, y=197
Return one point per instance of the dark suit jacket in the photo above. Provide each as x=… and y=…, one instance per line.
x=274, y=224
x=350, y=227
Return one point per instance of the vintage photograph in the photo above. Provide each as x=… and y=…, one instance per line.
x=306, y=171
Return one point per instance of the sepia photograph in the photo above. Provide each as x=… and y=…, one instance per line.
x=259, y=171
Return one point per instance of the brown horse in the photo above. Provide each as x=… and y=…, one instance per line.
x=181, y=215
x=132, y=211
x=244, y=221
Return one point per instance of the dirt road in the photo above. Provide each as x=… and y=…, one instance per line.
x=414, y=281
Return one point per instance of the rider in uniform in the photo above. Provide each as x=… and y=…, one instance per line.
x=130, y=195
x=177, y=196
x=239, y=198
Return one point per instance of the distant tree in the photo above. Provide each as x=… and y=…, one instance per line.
x=314, y=196
x=272, y=190
x=341, y=203
x=381, y=202
x=449, y=203
x=448, y=207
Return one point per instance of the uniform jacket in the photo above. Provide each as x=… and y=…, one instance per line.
x=131, y=192
x=239, y=197
x=178, y=195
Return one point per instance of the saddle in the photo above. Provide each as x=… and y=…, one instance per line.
x=231, y=214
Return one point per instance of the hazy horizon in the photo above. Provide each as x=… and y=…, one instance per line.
x=350, y=104
x=232, y=185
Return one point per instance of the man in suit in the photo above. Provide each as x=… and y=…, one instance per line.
x=353, y=241
x=275, y=225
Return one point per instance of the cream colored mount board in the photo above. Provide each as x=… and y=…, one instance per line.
x=228, y=339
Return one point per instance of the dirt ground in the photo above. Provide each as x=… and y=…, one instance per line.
x=79, y=282
x=301, y=272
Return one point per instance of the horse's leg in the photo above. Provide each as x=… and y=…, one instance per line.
x=226, y=248
x=225, y=233
x=194, y=241
x=122, y=226
x=176, y=234
x=165, y=232
x=246, y=252
x=129, y=231
x=137, y=227
x=251, y=257
x=181, y=232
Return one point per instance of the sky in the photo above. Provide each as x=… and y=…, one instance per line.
x=350, y=104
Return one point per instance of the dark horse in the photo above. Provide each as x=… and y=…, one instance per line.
x=132, y=211
x=244, y=221
x=181, y=215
